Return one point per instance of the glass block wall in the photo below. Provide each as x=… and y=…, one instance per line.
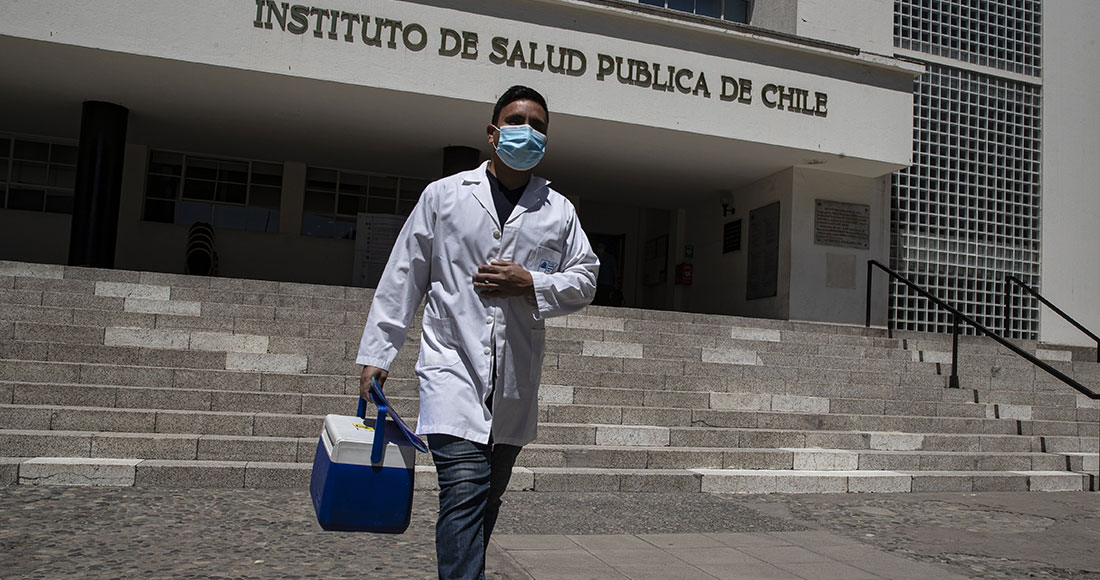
x=966, y=213
x=1001, y=34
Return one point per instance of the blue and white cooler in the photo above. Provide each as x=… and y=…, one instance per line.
x=362, y=478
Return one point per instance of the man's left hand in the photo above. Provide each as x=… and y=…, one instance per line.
x=501, y=279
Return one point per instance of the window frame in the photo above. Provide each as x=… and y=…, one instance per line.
x=250, y=183
x=48, y=190
x=404, y=199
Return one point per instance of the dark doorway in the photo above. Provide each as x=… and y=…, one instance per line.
x=609, y=283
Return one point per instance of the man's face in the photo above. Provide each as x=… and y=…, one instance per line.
x=521, y=112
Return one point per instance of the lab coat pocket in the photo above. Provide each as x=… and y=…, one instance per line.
x=545, y=260
x=439, y=345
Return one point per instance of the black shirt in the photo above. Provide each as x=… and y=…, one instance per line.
x=504, y=199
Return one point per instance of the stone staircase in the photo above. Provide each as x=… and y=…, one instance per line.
x=112, y=377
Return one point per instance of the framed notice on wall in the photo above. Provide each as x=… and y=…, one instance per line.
x=763, y=268
x=845, y=225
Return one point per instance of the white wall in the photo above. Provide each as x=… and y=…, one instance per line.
x=777, y=15
x=720, y=279
x=806, y=290
x=865, y=24
x=1071, y=173
x=829, y=283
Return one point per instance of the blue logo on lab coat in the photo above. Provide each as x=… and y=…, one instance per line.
x=548, y=266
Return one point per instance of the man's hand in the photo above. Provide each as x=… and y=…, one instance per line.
x=364, y=380
x=501, y=279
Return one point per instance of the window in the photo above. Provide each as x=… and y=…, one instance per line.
x=732, y=10
x=334, y=198
x=37, y=175
x=228, y=193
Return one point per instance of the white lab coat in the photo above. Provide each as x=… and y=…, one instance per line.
x=452, y=230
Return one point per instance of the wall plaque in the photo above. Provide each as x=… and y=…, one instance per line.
x=763, y=267
x=847, y=225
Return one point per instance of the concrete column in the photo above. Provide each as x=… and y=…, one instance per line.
x=98, y=190
x=459, y=158
x=293, y=198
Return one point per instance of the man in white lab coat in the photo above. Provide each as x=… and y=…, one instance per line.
x=497, y=252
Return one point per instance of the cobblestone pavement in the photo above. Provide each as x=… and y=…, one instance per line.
x=982, y=535
x=105, y=533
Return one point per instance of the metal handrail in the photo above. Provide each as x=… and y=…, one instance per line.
x=1011, y=281
x=956, y=317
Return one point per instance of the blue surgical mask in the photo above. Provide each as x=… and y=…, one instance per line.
x=520, y=146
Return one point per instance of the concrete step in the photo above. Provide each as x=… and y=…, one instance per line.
x=29, y=372
x=114, y=419
x=241, y=423
x=28, y=278
x=104, y=444
x=34, y=340
x=599, y=405
x=190, y=446
x=578, y=327
x=704, y=355
x=101, y=295
x=754, y=395
x=253, y=474
x=49, y=421
x=282, y=394
x=664, y=387
x=190, y=399
x=77, y=343
x=633, y=400
x=640, y=358
x=32, y=276
x=799, y=459
x=195, y=352
x=183, y=410
x=755, y=437
x=328, y=391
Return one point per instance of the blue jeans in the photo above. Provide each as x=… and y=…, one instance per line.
x=472, y=478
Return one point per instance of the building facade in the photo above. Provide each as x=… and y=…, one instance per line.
x=735, y=157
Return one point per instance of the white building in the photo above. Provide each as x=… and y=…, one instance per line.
x=774, y=146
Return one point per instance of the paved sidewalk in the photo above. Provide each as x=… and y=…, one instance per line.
x=844, y=536
x=730, y=556
x=109, y=533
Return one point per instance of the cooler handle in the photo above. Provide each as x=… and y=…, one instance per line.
x=379, y=445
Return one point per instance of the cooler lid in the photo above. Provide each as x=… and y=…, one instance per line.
x=351, y=440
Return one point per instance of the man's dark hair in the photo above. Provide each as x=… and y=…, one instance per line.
x=519, y=93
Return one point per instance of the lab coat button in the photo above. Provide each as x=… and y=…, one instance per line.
x=496, y=234
x=489, y=320
x=488, y=351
